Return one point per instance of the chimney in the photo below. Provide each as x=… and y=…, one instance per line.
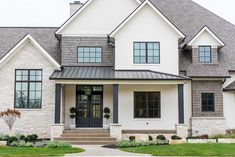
x=75, y=6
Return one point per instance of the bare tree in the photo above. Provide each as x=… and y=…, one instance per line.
x=9, y=116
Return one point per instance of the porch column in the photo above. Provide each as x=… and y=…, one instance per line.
x=58, y=88
x=181, y=128
x=115, y=103
x=181, y=103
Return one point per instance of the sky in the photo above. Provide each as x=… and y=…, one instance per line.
x=43, y=13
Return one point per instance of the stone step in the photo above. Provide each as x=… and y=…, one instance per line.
x=85, y=135
x=86, y=139
x=92, y=142
x=87, y=131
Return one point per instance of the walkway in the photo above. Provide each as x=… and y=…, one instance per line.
x=93, y=150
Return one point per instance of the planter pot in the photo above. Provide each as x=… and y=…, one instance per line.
x=72, y=126
x=226, y=140
x=178, y=141
x=3, y=143
x=202, y=141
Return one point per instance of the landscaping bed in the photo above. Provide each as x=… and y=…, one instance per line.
x=30, y=145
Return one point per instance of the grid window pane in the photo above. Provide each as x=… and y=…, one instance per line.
x=147, y=105
x=28, y=89
x=89, y=54
x=204, y=54
x=146, y=52
x=208, y=102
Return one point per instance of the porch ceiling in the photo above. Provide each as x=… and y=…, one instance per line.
x=108, y=73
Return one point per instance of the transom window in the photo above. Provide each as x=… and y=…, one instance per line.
x=28, y=89
x=89, y=54
x=147, y=105
x=204, y=54
x=208, y=102
x=146, y=52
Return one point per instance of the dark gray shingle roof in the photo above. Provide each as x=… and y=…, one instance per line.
x=10, y=36
x=230, y=87
x=190, y=18
x=107, y=73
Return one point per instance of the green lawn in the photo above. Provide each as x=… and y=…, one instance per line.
x=186, y=150
x=37, y=151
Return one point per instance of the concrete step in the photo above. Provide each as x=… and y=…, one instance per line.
x=86, y=139
x=91, y=142
x=87, y=131
x=85, y=135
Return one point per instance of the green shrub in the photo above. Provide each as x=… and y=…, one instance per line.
x=193, y=137
x=12, y=139
x=132, y=138
x=175, y=137
x=150, y=138
x=56, y=144
x=21, y=144
x=31, y=138
x=127, y=144
x=161, y=137
x=4, y=137
x=205, y=136
x=231, y=136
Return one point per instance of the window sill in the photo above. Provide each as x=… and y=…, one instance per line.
x=18, y=109
x=147, y=119
x=146, y=64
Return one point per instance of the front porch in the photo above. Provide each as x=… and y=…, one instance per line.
x=155, y=104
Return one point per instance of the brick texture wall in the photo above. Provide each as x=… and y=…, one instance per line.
x=199, y=87
x=69, y=50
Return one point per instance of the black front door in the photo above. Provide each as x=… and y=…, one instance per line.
x=89, y=106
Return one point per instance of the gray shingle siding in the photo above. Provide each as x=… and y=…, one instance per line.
x=199, y=87
x=69, y=50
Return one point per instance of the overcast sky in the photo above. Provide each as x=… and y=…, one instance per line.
x=55, y=12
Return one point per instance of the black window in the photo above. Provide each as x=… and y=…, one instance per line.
x=147, y=105
x=208, y=102
x=28, y=89
x=204, y=54
x=146, y=52
x=89, y=54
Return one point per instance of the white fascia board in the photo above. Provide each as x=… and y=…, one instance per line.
x=205, y=28
x=24, y=41
x=112, y=34
x=73, y=16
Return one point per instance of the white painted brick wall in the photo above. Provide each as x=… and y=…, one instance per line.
x=31, y=121
x=208, y=125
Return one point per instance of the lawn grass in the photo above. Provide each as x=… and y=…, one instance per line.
x=37, y=151
x=186, y=150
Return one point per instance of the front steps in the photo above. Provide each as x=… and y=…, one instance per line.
x=87, y=137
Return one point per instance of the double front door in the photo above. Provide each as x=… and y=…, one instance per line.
x=89, y=105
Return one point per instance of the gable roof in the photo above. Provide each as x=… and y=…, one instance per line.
x=147, y=2
x=20, y=44
x=205, y=28
x=87, y=3
x=11, y=36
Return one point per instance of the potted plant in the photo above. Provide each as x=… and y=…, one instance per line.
x=73, y=114
x=106, y=116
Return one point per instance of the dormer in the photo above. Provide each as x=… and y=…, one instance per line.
x=205, y=46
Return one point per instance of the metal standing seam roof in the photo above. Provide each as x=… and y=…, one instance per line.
x=230, y=87
x=108, y=73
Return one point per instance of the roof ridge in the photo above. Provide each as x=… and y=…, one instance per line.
x=26, y=27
